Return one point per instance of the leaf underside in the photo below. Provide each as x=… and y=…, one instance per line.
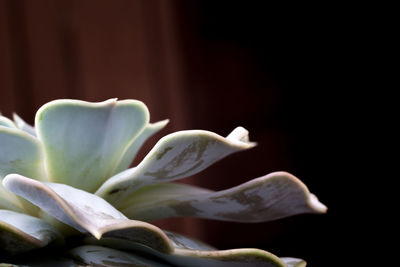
x=20, y=232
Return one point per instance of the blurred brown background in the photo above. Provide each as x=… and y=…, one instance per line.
x=209, y=65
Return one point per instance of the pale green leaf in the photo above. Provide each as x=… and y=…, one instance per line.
x=270, y=197
x=21, y=232
x=86, y=212
x=175, y=156
x=85, y=142
x=20, y=153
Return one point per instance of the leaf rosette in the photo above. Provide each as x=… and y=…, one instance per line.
x=70, y=176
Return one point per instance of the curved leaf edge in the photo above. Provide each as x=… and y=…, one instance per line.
x=179, y=255
x=119, y=186
x=255, y=197
x=52, y=118
x=17, y=235
x=121, y=227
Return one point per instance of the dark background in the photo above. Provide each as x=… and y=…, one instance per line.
x=286, y=73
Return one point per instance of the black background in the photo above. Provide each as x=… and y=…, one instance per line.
x=305, y=103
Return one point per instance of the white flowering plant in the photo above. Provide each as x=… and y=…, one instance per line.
x=68, y=196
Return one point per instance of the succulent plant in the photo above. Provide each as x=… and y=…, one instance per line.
x=68, y=195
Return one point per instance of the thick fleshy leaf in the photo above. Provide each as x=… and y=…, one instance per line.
x=175, y=156
x=21, y=232
x=270, y=197
x=133, y=149
x=293, y=262
x=107, y=257
x=19, y=153
x=86, y=212
x=199, y=258
x=85, y=142
x=21, y=124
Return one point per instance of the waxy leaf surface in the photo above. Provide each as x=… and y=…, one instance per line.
x=19, y=153
x=270, y=197
x=134, y=148
x=85, y=142
x=86, y=212
x=175, y=156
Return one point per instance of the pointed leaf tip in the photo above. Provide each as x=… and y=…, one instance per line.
x=241, y=136
x=317, y=205
x=24, y=126
x=294, y=262
x=6, y=122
